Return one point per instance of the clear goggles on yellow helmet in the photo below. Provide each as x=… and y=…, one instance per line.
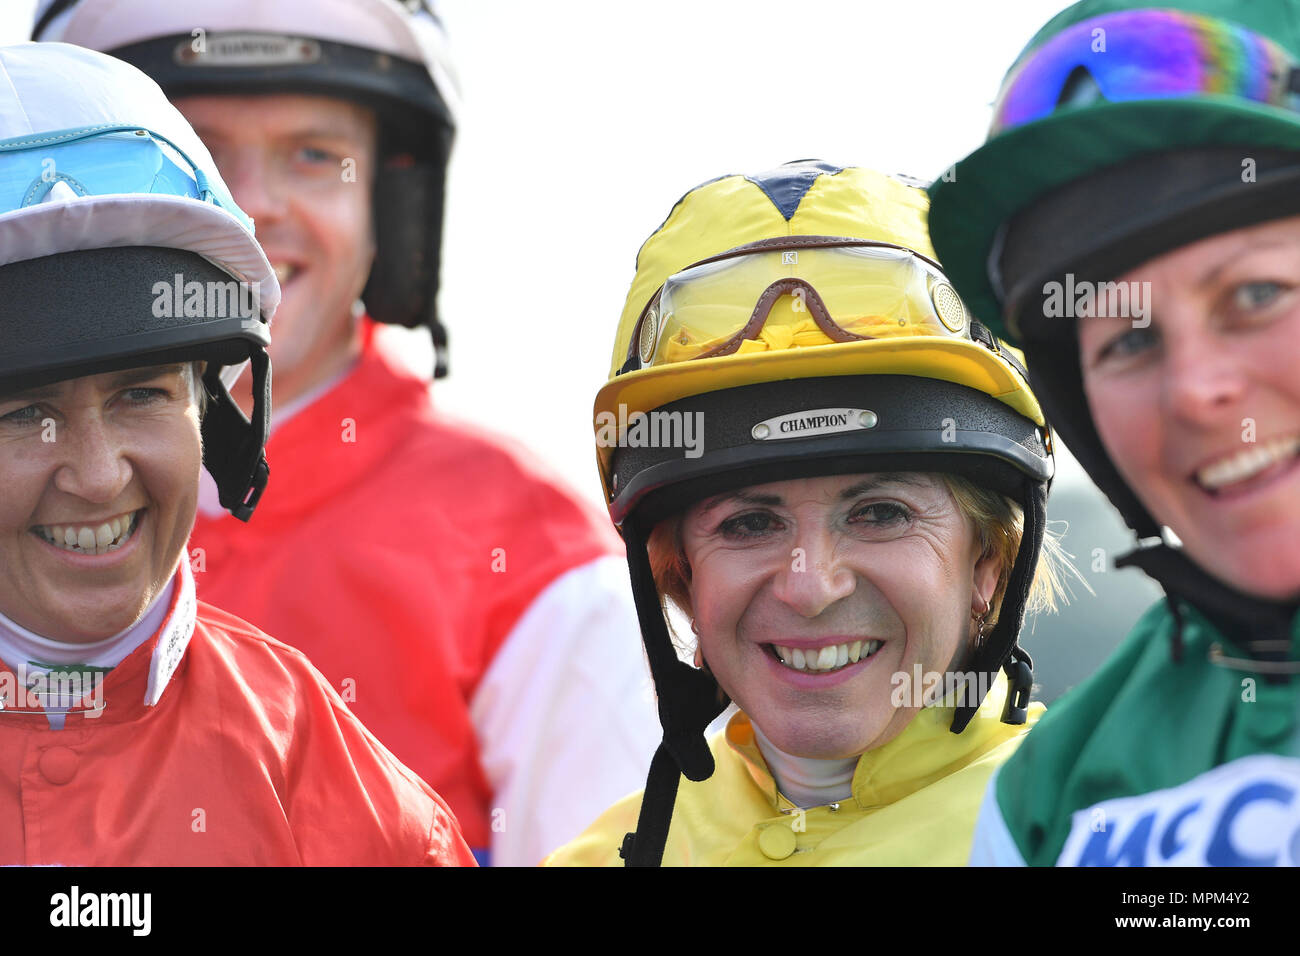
x=795, y=292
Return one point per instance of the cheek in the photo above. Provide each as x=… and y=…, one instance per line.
x=171, y=462
x=348, y=221
x=722, y=587
x=931, y=594
x=24, y=478
x=1125, y=412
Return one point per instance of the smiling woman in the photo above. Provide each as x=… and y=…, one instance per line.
x=176, y=710
x=901, y=527
x=1201, y=409
x=863, y=511
x=101, y=477
x=1183, y=185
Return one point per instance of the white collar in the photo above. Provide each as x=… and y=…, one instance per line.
x=806, y=781
x=171, y=615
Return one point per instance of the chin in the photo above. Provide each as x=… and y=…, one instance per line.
x=815, y=743
x=1263, y=569
x=1277, y=579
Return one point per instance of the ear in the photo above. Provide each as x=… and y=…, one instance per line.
x=984, y=583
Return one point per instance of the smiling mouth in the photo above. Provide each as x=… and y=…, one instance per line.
x=102, y=538
x=1233, y=471
x=823, y=660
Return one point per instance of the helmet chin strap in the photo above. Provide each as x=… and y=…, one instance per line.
x=689, y=700
x=1260, y=627
x=1000, y=650
x=240, y=477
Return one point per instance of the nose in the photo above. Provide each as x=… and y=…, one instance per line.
x=1203, y=380
x=95, y=466
x=816, y=576
x=253, y=183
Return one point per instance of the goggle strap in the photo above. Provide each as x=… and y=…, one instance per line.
x=64, y=137
x=758, y=318
x=776, y=244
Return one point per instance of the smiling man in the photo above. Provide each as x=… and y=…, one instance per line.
x=140, y=725
x=470, y=610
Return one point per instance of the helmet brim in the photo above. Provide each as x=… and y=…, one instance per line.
x=948, y=360
x=1014, y=169
x=173, y=222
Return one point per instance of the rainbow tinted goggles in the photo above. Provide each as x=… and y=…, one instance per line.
x=1144, y=55
x=794, y=292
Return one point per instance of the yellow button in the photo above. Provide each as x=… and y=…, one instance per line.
x=776, y=841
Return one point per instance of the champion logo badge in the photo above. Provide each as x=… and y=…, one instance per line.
x=814, y=421
x=245, y=49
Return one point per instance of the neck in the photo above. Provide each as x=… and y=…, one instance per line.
x=807, y=781
x=307, y=380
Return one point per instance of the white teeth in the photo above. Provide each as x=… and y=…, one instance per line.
x=824, y=659
x=106, y=537
x=1245, y=464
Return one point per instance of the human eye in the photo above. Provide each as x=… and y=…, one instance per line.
x=26, y=416
x=881, y=514
x=749, y=524
x=1127, y=345
x=146, y=397
x=1260, y=299
x=314, y=154
x=1253, y=295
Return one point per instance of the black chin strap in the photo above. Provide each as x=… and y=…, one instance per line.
x=242, y=475
x=689, y=700
x=1000, y=650
x=1260, y=627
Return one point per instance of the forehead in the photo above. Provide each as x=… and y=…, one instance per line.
x=103, y=382
x=829, y=487
x=1197, y=261
x=275, y=116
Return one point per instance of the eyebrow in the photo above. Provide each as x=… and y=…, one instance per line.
x=1270, y=242
x=883, y=478
x=291, y=135
x=321, y=132
x=866, y=485
x=124, y=379
x=744, y=497
x=134, y=376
